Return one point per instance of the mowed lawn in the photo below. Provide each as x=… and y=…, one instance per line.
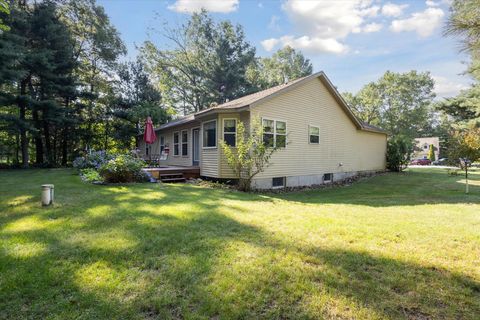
x=396, y=246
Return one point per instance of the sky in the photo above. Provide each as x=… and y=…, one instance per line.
x=353, y=41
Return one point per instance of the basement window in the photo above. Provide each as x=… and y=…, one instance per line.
x=327, y=177
x=278, y=182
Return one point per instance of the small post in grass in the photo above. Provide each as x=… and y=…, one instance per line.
x=464, y=162
x=47, y=194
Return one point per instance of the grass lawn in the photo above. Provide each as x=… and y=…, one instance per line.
x=397, y=246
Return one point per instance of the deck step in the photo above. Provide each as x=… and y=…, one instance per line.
x=173, y=180
x=172, y=177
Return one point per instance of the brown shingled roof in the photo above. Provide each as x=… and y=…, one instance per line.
x=254, y=98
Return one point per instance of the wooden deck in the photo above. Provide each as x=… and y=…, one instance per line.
x=188, y=172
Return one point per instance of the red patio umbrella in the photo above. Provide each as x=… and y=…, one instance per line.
x=149, y=134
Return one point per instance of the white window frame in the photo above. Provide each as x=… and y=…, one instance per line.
x=232, y=133
x=162, y=145
x=275, y=131
x=313, y=126
x=216, y=134
x=183, y=142
x=177, y=144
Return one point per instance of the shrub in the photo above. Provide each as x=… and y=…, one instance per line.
x=431, y=153
x=250, y=156
x=123, y=168
x=93, y=160
x=398, y=153
x=90, y=175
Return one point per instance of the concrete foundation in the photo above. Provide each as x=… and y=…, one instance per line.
x=308, y=180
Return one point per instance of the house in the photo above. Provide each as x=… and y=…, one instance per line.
x=319, y=137
x=422, y=146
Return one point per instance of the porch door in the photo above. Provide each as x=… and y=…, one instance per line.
x=196, y=146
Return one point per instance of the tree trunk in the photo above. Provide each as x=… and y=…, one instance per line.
x=23, y=131
x=38, y=139
x=65, y=136
x=64, y=145
x=17, y=149
x=48, y=144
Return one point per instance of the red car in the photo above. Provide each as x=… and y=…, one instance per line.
x=421, y=162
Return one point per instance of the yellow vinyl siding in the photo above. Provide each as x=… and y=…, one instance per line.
x=340, y=140
x=179, y=160
x=225, y=170
x=209, y=157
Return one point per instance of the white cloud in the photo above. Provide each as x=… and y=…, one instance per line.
x=445, y=88
x=423, y=23
x=260, y=5
x=307, y=44
x=274, y=23
x=334, y=19
x=393, y=10
x=269, y=44
x=190, y=6
x=372, y=27
x=323, y=24
x=431, y=3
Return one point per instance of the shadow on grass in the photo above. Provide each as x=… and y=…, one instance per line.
x=394, y=189
x=130, y=261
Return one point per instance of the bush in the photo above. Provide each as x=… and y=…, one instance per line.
x=93, y=160
x=398, y=153
x=123, y=168
x=90, y=175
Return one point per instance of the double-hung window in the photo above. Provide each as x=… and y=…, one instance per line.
x=162, y=144
x=230, y=132
x=210, y=134
x=176, y=148
x=274, y=133
x=184, y=143
x=313, y=135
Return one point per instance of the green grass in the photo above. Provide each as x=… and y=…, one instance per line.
x=403, y=246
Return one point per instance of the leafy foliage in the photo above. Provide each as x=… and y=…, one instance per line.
x=399, y=150
x=123, y=168
x=90, y=175
x=207, y=64
x=431, y=153
x=94, y=160
x=400, y=103
x=285, y=65
x=250, y=156
x=4, y=10
x=464, y=144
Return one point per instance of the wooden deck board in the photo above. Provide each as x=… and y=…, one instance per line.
x=188, y=172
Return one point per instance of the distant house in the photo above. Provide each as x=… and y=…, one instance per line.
x=423, y=146
x=326, y=142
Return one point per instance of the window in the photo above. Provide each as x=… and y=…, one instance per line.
x=314, y=134
x=175, y=144
x=278, y=182
x=230, y=132
x=425, y=146
x=210, y=134
x=184, y=143
x=327, y=177
x=274, y=133
x=162, y=144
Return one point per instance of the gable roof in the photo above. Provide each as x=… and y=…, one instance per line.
x=261, y=96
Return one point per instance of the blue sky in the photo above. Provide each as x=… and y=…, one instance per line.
x=353, y=41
